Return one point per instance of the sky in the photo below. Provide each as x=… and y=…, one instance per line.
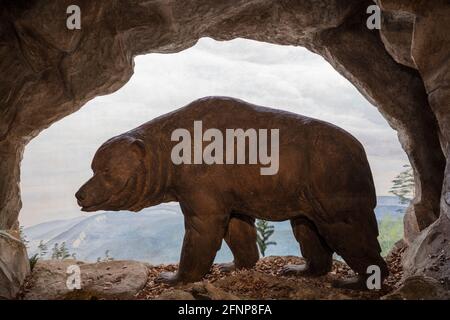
x=57, y=162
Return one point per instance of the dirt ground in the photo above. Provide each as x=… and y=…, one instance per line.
x=265, y=282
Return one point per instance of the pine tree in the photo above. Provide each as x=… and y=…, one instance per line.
x=43, y=249
x=60, y=252
x=23, y=237
x=264, y=232
x=55, y=251
x=63, y=252
x=403, y=185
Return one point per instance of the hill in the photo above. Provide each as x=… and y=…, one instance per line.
x=154, y=235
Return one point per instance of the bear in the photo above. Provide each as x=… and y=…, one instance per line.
x=323, y=185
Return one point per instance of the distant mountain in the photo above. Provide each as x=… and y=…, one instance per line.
x=389, y=201
x=154, y=235
x=387, y=205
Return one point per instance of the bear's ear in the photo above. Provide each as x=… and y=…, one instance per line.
x=139, y=145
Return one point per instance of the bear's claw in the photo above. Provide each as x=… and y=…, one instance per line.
x=302, y=270
x=170, y=278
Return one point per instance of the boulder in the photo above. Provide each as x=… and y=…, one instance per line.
x=197, y=291
x=103, y=280
x=419, y=288
x=14, y=265
x=206, y=291
x=175, y=294
x=429, y=254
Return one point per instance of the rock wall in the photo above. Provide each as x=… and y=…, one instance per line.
x=14, y=266
x=48, y=71
x=429, y=254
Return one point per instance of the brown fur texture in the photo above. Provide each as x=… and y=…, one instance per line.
x=324, y=186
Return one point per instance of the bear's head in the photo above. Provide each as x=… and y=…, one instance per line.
x=120, y=177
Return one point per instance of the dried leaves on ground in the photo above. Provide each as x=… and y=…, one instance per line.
x=265, y=281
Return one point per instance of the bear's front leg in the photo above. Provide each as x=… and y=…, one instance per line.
x=241, y=238
x=205, y=228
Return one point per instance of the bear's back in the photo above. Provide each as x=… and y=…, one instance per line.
x=230, y=113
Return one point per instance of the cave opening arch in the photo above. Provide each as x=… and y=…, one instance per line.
x=57, y=162
x=50, y=72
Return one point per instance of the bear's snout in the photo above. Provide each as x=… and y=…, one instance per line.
x=92, y=196
x=80, y=195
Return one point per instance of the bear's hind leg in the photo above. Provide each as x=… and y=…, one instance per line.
x=241, y=238
x=360, y=265
x=358, y=245
x=315, y=251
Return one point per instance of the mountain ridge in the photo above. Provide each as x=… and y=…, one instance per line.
x=154, y=235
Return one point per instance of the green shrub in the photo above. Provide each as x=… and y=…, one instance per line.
x=391, y=230
x=264, y=232
x=33, y=260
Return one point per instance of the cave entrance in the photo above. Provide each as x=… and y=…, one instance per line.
x=57, y=162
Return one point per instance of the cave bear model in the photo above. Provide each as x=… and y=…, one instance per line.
x=323, y=185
